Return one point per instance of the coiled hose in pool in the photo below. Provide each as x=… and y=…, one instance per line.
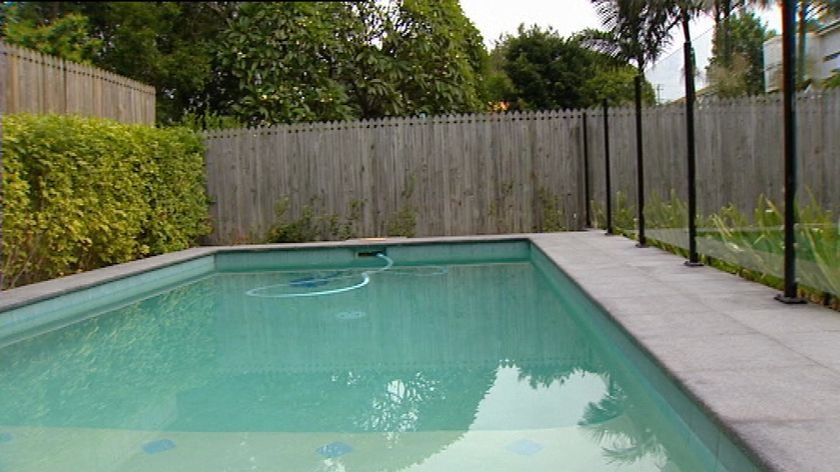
x=314, y=281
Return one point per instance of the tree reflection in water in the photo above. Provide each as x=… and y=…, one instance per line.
x=627, y=432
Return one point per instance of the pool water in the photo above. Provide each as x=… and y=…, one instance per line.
x=462, y=367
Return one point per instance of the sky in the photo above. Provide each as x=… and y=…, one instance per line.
x=496, y=17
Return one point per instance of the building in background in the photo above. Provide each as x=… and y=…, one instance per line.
x=822, y=49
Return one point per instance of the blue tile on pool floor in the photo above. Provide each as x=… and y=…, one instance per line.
x=525, y=447
x=6, y=437
x=334, y=449
x=158, y=446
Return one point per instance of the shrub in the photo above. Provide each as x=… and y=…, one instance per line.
x=82, y=193
x=313, y=223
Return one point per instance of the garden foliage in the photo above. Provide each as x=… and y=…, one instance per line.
x=82, y=193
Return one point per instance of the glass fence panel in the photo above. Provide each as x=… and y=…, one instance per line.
x=818, y=194
x=740, y=176
x=665, y=163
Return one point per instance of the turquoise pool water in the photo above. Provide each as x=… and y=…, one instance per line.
x=479, y=365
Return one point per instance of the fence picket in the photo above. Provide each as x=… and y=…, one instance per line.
x=39, y=83
x=487, y=173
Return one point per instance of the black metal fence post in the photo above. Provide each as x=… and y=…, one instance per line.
x=640, y=168
x=607, y=180
x=2, y=188
x=789, y=111
x=587, y=206
x=693, y=257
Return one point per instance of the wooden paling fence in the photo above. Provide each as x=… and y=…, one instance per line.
x=442, y=175
x=39, y=83
x=514, y=172
x=739, y=151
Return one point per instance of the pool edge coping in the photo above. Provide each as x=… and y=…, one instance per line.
x=676, y=378
x=771, y=431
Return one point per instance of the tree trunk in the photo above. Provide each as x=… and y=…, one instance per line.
x=722, y=12
x=801, y=50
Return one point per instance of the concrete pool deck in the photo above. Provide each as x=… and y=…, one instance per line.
x=768, y=373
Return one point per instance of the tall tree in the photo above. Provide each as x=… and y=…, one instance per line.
x=67, y=37
x=275, y=62
x=445, y=52
x=538, y=69
x=742, y=73
x=722, y=11
x=165, y=44
x=285, y=60
x=637, y=30
x=292, y=62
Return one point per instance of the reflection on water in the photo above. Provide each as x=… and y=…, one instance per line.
x=477, y=366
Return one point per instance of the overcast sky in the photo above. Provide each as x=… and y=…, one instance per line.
x=496, y=17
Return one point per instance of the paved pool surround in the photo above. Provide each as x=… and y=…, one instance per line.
x=767, y=373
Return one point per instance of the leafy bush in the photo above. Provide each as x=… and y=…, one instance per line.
x=82, y=193
x=313, y=223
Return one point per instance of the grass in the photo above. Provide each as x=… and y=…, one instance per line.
x=771, y=240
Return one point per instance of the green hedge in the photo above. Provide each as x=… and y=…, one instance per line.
x=81, y=193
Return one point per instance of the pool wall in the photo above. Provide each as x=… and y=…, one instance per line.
x=33, y=309
x=695, y=426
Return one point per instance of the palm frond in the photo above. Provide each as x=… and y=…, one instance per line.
x=640, y=29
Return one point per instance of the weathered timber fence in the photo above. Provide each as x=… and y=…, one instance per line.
x=448, y=175
x=474, y=174
x=39, y=83
x=739, y=151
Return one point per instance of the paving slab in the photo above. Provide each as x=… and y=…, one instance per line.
x=802, y=319
x=682, y=352
x=822, y=347
x=622, y=307
x=769, y=394
x=665, y=323
x=802, y=446
x=769, y=373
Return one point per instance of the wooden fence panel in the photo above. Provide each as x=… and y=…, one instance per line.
x=39, y=83
x=514, y=172
x=442, y=175
x=739, y=150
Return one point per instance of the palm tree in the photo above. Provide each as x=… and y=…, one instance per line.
x=616, y=423
x=722, y=11
x=636, y=30
x=808, y=11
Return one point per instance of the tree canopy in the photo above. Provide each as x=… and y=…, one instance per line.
x=742, y=72
x=66, y=37
x=168, y=45
x=258, y=63
x=636, y=30
x=263, y=63
x=539, y=69
x=329, y=61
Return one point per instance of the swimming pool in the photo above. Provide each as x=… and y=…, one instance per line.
x=393, y=357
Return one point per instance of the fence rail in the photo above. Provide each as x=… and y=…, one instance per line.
x=442, y=175
x=39, y=83
x=474, y=174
